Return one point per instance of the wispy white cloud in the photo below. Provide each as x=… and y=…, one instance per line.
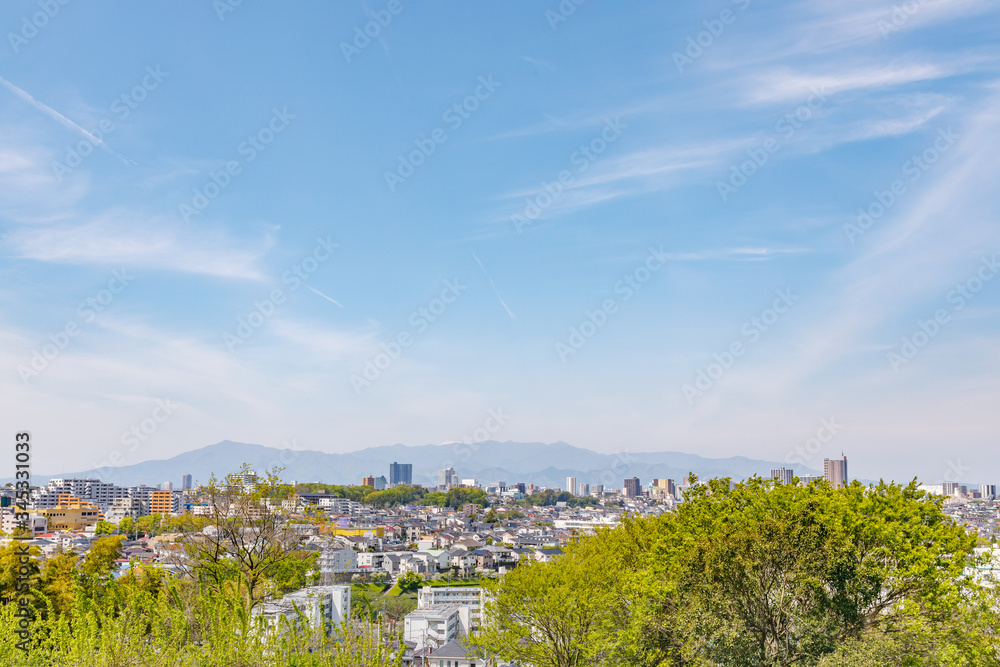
x=121, y=237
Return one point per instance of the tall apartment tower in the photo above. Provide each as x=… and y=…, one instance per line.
x=186, y=482
x=401, y=473
x=783, y=475
x=835, y=471
x=571, y=485
x=988, y=491
x=632, y=488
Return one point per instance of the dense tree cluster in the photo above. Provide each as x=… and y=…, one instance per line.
x=456, y=498
x=765, y=574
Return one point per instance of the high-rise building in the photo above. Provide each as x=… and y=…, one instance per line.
x=988, y=491
x=381, y=483
x=597, y=489
x=632, y=488
x=571, y=485
x=835, y=471
x=783, y=475
x=368, y=481
x=447, y=478
x=520, y=487
x=400, y=473
x=167, y=486
x=664, y=487
x=187, y=482
x=806, y=480
x=583, y=490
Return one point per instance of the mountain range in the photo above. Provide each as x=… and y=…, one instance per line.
x=489, y=461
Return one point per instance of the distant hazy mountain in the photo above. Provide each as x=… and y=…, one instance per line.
x=529, y=462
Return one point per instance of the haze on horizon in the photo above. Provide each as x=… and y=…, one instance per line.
x=263, y=227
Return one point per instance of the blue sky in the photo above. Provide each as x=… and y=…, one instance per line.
x=618, y=197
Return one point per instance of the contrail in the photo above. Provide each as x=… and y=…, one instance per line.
x=52, y=113
x=495, y=290
x=325, y=296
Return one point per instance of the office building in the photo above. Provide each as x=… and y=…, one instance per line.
x=783, y=475
x=632, y=488
x=447, y=478
x=835, y=471
x=400, y=473
x=71, y=514
x=571, y=485
x=583, y=490
x=988, y=491
x=187, y=482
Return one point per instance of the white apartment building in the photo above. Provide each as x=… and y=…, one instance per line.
x=434, y=626
x=327, y=605
x=126, y=507
x=332, y=561
x=340, y=505
x=469, y=597
x=585, y=525
x=36, y=524
x=95, y=491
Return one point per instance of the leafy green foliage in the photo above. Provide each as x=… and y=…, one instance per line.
x=764, y=574
x=456, y=498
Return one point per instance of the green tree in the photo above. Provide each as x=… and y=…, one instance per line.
x=99, y=563
x=546, y=615
x=251, y=538
x=764, y=574
x=105, y=528
x=409, y=581
x=59, y=580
